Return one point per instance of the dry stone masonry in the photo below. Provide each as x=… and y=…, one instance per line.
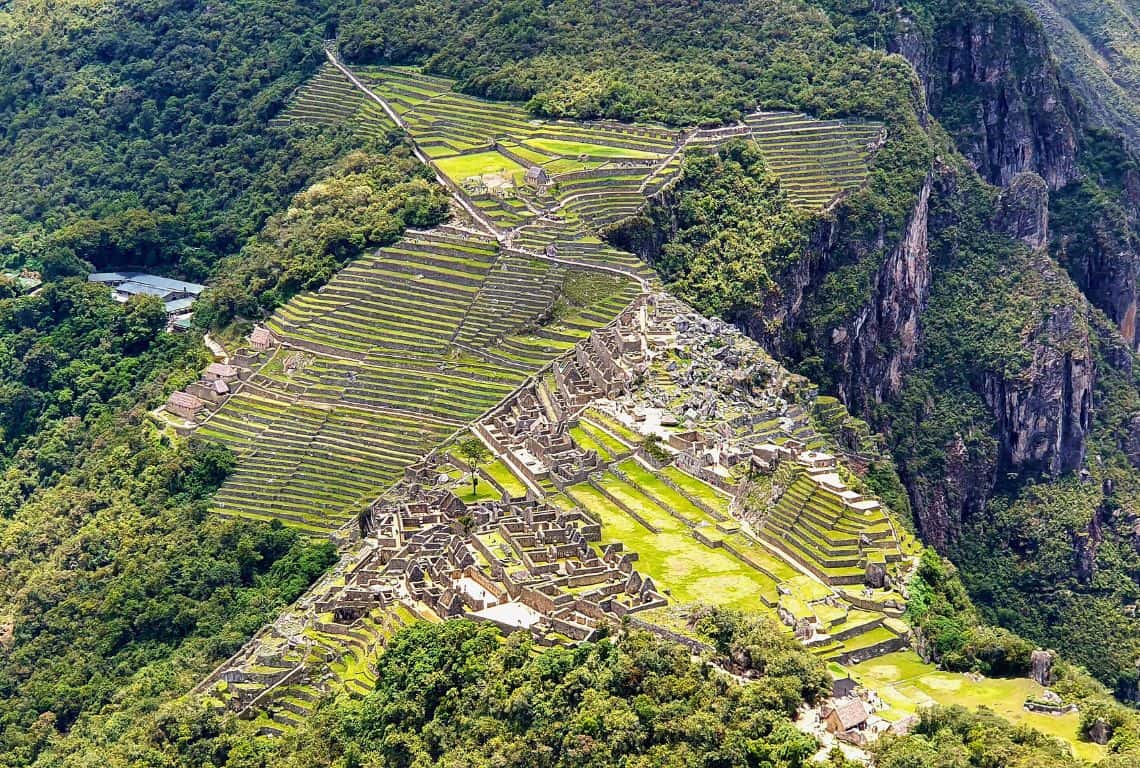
x=603, y=402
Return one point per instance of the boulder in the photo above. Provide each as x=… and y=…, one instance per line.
x=1041, y=666
x=1099, y=732
x=875, y=576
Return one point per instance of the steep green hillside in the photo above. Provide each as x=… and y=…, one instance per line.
x=140, y=134
x=995, y=356
x=1098, y=44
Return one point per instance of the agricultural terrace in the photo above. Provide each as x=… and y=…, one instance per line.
x=554, y=186
x=330, y=98
x=906, y=683
x=816, y=523
x=516, y=169
x=816, y=160
x=695, y=553
x=346, y=656
x=397, y=352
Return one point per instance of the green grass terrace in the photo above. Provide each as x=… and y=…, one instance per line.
x=330, y=98
x=396, y=353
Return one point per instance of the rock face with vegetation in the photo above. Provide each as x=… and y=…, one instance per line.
x=989, y=80
x=956, y=260
x=880, y=343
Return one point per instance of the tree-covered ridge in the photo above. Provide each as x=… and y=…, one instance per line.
x=138, y=133
x=458, y=693
x=736, y=233
x=108, y=562
x=627, y=60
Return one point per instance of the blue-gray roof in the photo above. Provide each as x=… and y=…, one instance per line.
x=132, y=288
x=178, y=305
x=167, y=284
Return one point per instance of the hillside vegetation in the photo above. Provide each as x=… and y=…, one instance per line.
x=1098, y=44
x=170, y=136
x=138, y=134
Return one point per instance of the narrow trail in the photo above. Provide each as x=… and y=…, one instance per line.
x=682, y=144
x=476, y=215
x=504, y=237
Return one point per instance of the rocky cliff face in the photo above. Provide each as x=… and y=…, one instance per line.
x=876, y=347
x=1023, y=210
x=940, y=504
x=1043, y=413
x=1100, y=247
x=992, y=84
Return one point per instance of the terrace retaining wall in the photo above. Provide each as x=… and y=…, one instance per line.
x=623, y=506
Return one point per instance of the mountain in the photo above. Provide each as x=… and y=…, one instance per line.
x=925, y=210
x=1095, y=44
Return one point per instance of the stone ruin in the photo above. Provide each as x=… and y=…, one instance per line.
x=720, y=408
x=196, y=402
x=519, y=564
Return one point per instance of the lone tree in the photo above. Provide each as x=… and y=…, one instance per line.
x=474, y=453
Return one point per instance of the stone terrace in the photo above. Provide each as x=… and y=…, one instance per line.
x=330, y=98
x=818, y=555
x=817, y=160
x=397, y=352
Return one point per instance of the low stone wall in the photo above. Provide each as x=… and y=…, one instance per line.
x=313, y=346
x=667, y=507
x=694, y=645
x=871, y=652
x=623, y=506
x=869, y=605
x=600, y=173
x=511, y=155
x=1049, y=709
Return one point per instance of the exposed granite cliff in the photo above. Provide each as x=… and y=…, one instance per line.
x=960, y=492
x=1099, y=245
x=876, y=347
x=991, y=82
x=1023, y=210
x=1043, y=413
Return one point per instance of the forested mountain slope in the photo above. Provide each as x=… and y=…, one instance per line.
x=137, y=133
x=1096, y=44
x=975, y=301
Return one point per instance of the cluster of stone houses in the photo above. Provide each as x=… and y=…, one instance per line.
x=518, y=563
x=850, y=714
x=195, y=402
x=529, y=430
x=708, y=393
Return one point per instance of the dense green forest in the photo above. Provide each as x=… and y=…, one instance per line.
x=736, y=233
x=458, y=693
x=138, y=137
x=109, y=562
x=137, y=134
